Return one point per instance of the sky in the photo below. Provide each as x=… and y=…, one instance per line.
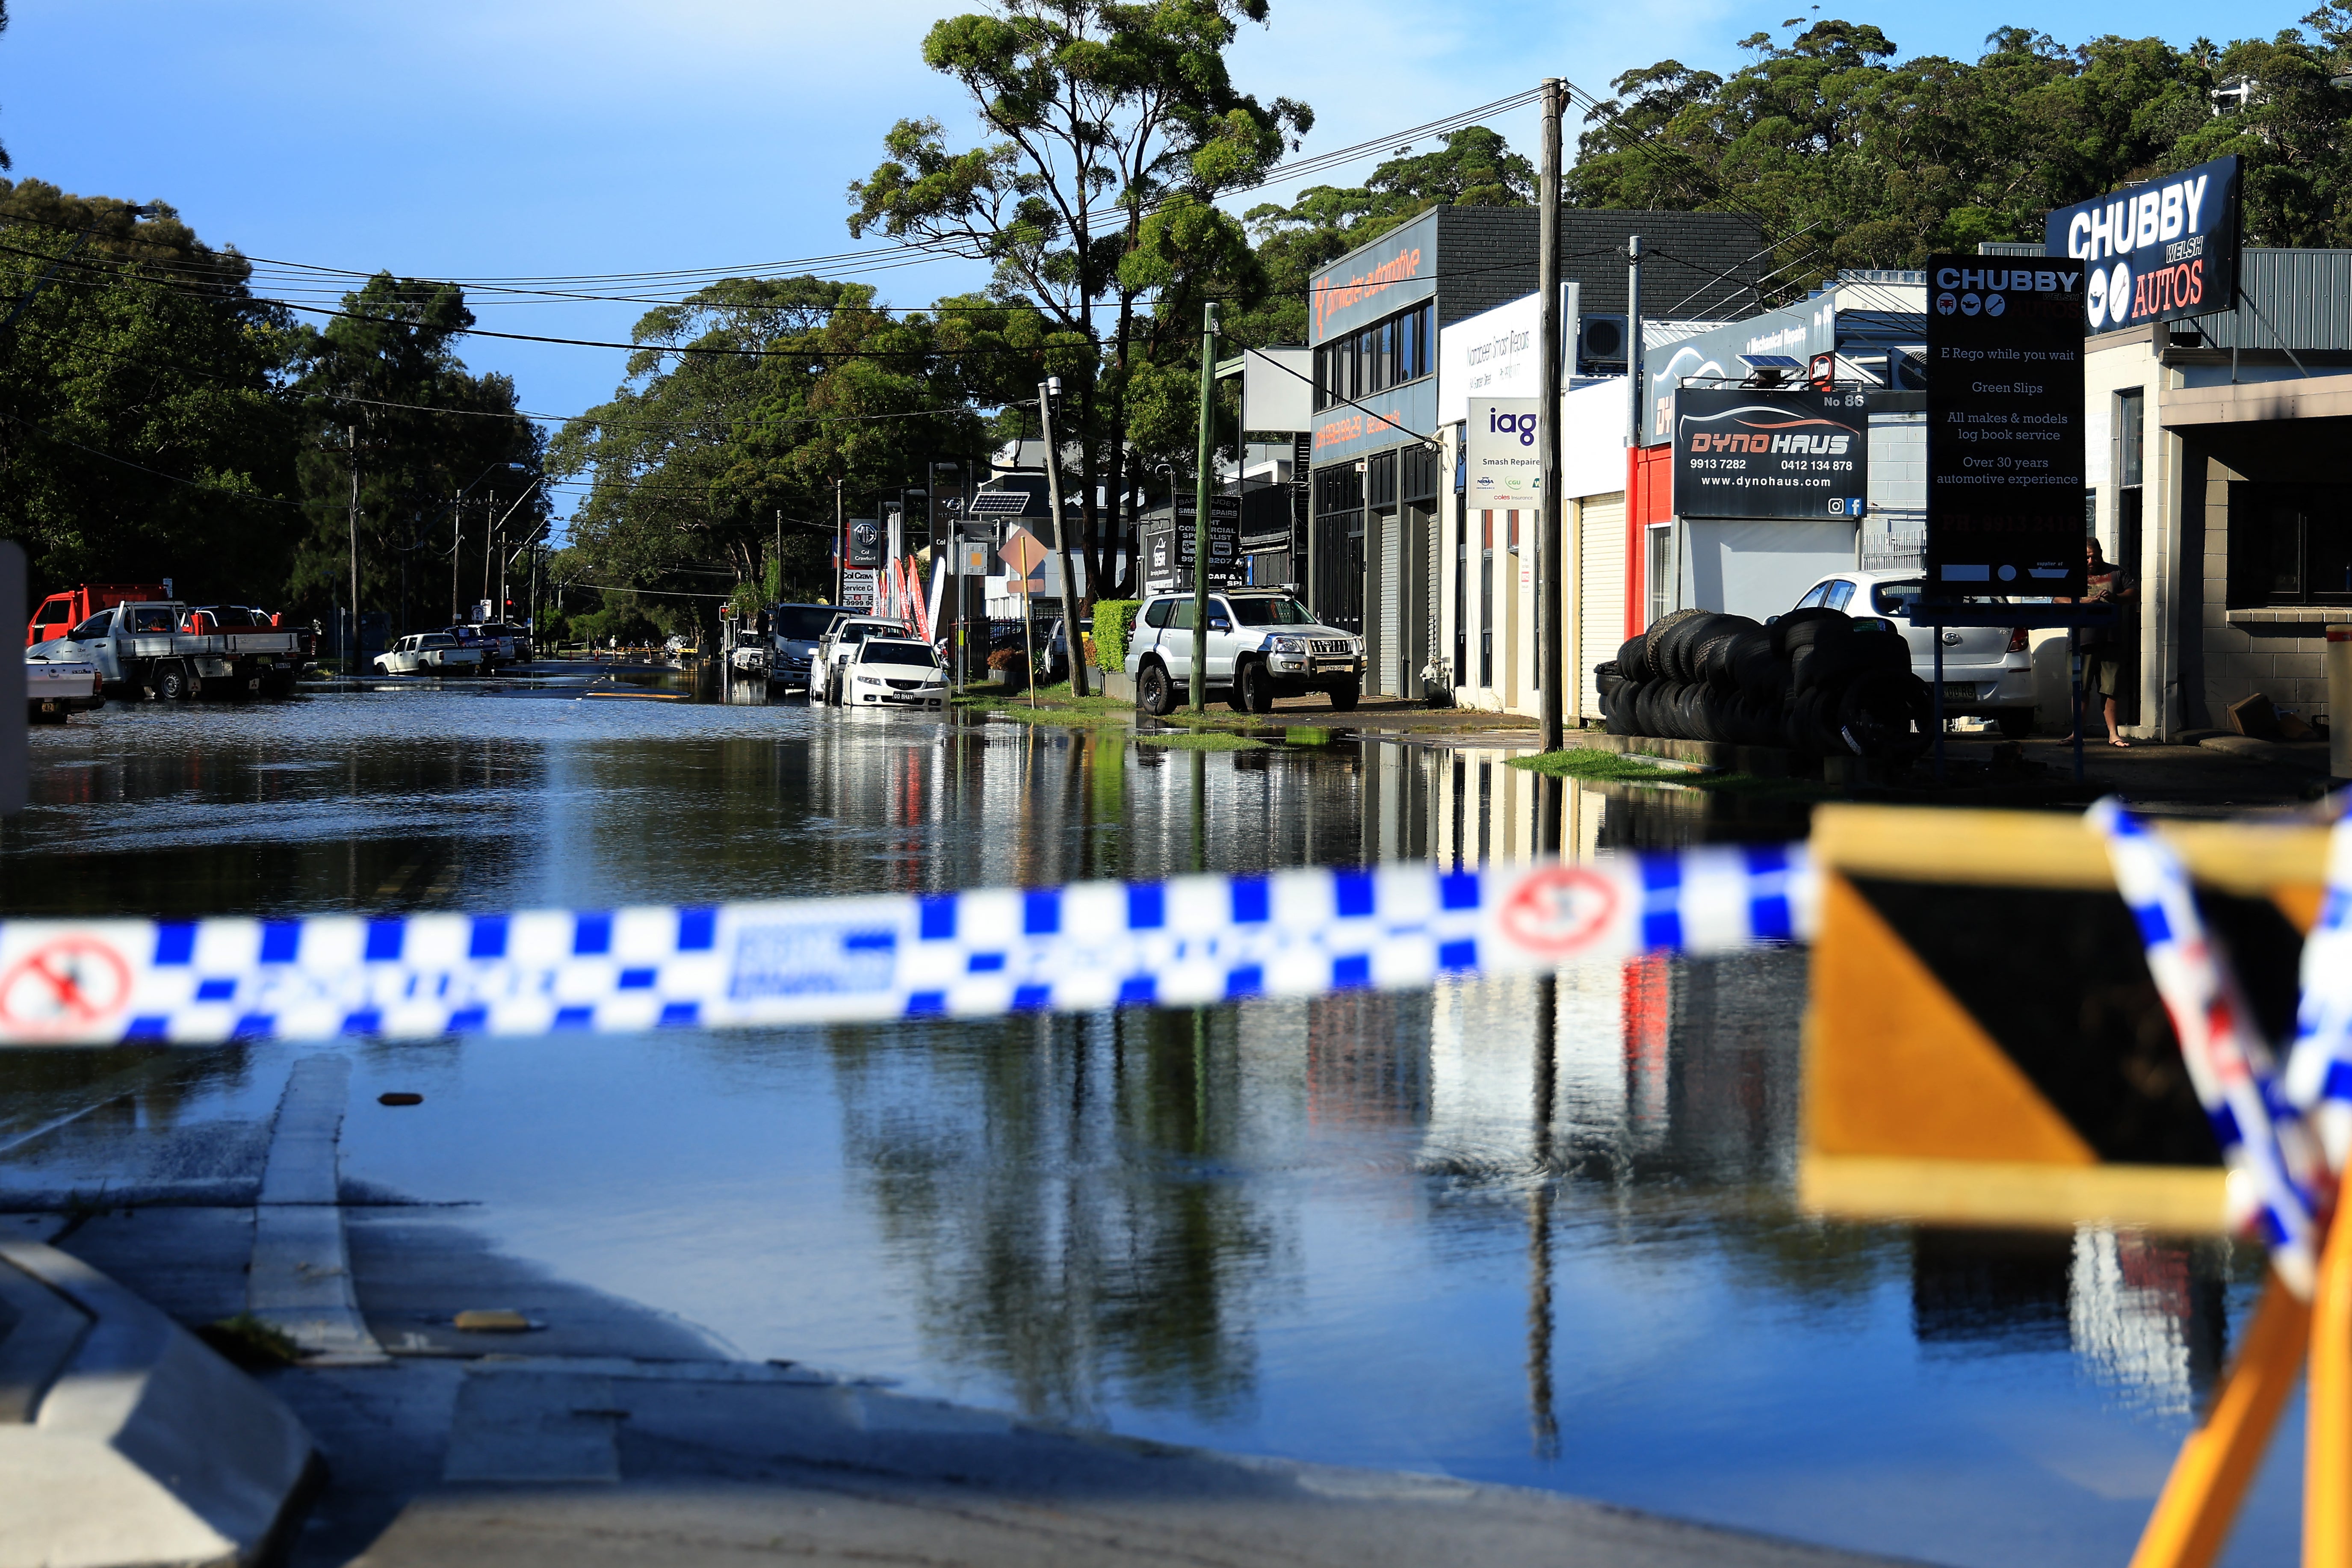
x=479, y=139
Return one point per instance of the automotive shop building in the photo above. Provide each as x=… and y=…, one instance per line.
x=1382, y=466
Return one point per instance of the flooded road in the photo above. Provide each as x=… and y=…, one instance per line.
x=1439, y=1232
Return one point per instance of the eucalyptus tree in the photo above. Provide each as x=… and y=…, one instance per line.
x=1109, y=130
x=142, y=431
x=753, y=409
x=382, y=392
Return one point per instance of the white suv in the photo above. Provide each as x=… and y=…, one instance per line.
x=1262, y=645
x=1987, y=670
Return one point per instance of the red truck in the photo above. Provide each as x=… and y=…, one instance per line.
x=60, y=613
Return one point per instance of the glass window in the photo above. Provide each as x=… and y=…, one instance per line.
x=93, y=627
x=1282, y=612
x=884, y=651
x=54, y=612
x=802, y=623
x=2130, y=434
x=1840, y=593
x=156, y=620
x=1156, y=613
x=1819, y=592
x=2290, y=544
x=1368, y=360
x=1662, y=572
x=1180, y=618
x=1896, y=598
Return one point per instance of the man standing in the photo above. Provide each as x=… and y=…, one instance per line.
x=2103, y=646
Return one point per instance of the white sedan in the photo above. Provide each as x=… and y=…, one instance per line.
x=429, y=653
x=894, y=672
x=1987, y=670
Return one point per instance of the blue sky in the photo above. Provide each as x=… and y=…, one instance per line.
x=509, y=137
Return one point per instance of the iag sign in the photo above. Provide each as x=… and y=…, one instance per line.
x=2155, y=251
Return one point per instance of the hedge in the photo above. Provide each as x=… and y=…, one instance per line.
x=1114, y=618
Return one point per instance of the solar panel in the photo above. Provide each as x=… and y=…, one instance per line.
x=1771, y=361
x=999, y=503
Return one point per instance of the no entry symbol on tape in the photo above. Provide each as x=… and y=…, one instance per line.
x=1559, y=909
x=68, y=986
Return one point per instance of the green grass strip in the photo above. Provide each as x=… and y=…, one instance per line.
x=1202, y=740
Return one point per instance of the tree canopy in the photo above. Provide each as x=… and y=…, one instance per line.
x=1853, y=157
x=1111, y=130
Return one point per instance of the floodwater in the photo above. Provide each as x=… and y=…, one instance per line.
x=1424, y=1231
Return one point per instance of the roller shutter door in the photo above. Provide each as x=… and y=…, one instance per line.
x=1388, y=648
x=1601, y=572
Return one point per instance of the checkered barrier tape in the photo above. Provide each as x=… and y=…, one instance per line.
x=2319, y=1065
x=2275, y=1169
x=1182, y=942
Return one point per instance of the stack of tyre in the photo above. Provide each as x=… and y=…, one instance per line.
x=1814, y=681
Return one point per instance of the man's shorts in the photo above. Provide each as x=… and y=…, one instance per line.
x=2104, y=676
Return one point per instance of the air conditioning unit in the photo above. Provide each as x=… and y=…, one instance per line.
x=1600, y=344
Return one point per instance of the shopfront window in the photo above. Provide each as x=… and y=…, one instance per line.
x=2290, y=544
x=1661, y=573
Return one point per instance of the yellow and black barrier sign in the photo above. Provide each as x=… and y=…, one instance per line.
x=1984, y=1043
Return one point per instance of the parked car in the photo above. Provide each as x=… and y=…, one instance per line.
x=894, y=672
x=1053, y=647
x=179, y=650
x=429, y=653
x=793, y=632
x=500, y=643
x=1987, y=670
x=56, y=684
x=841, y=639
x=1263, y=644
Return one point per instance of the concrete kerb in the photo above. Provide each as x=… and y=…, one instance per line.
x=146, y=1448
x=300, y=1282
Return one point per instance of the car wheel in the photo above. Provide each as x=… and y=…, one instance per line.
x=1345, y=697
x=1254, y=690
x=172, y=683
x=1154, y=692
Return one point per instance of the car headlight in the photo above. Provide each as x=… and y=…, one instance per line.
x=1285, y=645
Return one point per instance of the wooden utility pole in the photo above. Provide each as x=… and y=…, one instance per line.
x=1199, y=692
x=351, y=651
x=1046, y=389
x=1552, y=671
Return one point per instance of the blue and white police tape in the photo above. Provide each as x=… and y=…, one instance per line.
x=1182, y=942
x=2319, y=1065
x=2276, y=1169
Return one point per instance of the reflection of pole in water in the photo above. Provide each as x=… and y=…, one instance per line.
x=1544, y=1425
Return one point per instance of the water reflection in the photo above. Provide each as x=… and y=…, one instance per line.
x=1534, y=1230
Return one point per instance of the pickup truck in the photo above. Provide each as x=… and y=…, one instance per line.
x=55, y=614
x=55, y=687
x=178, y=650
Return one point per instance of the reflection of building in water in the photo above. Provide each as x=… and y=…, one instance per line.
x=1473, y=808
x=1368, y=1060
x=2146, y=1315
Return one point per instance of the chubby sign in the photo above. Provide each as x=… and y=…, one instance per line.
x=2004, y=428
x=1739, y=452
x=2155, y=251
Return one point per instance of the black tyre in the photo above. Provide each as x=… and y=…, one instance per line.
x=1875, y=713
x=1672, y=652
x=1345, y=697
x=1632, y=659
x=1154, y=692
x=1714, y=652
x=1789, y=633
x=1617, y=707
x=1254, y=690
x=172, y=683
x=1655, y=640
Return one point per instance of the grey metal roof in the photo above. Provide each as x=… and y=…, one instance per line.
x=2294, y=298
